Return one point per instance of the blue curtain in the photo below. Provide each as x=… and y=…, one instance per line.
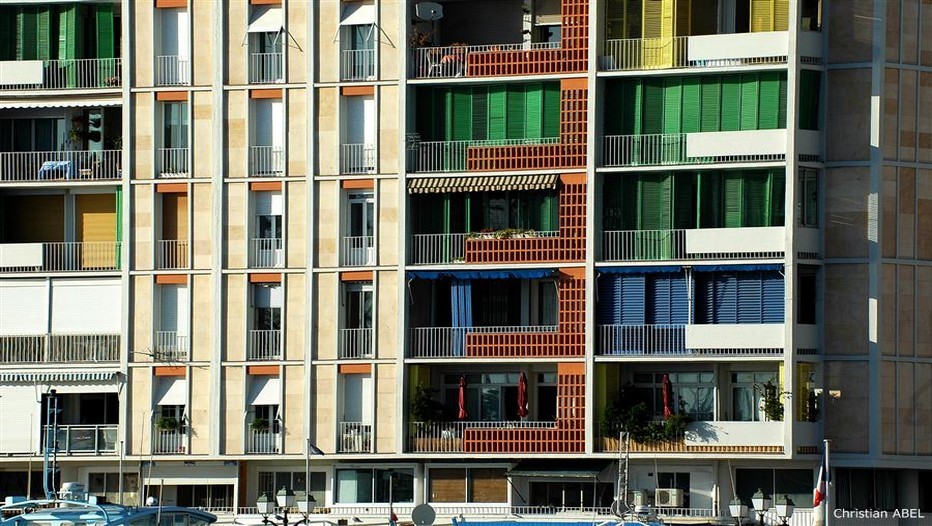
x=461, y=309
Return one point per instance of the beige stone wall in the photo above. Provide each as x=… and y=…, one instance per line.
x=141, y=222
x=388, y=315
x=202, y=135
x=328, y=51
x=847, y=114
x=199, y=411
x=237, y=133
x=236, y=292
x=139, y=385
x=386, y=440
x=143, y=16
x=296, y=121
x=324, y=403
x=328, y=131
x=391, y=48
x=143, y=142
x=143, y=305
x=237, y=52
x=202, y=48
x=923, y=305
x=388, y=222
x=846, y=191
x=890, y=128
x=389, y=161
x=234, y=421
x=237, y=230
x=846, y=305
x=325, y=326
x=201, y=229
x=328, y=223
x=851, y=25
x=296, y=224
x=295, y=316
x=294, y=414
x=202, y=311
x=296, y=39
x=845, y=416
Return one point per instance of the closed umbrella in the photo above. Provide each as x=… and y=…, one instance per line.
x=522, y=395
x=463, y=415
x=667, y=390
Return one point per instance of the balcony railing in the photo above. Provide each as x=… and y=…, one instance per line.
x=453, y=61
x=265, y=68
x=261, y=442
x=666, y=149
x=693, y=244
x=357, y=158
x=645, y=53
x=356, y=343
x=643, y=245
x=103, y=165
x=173, y=163
x=171, y=254
x=266, y=252
x=447, y=437
x=450, y=342
x=60, y=256
x=167, y=442
x=641, y=339
x=59, y=348
x=171, y=346
x=450, y=156
x=356, y=251
x=78, y=439
x=567, y=512
x=264, y=345
x=355, y=437
x=672, y=52
x=437, y=249
x=171, y=70
x=266, y=161
x=77, y=73
x=357, y=64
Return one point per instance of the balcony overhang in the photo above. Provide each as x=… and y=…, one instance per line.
x=60, y=376
x=58, y=102
x=441, y=185
x=483, y=274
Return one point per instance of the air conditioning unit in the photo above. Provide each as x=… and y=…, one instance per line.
x=668, y=497
x=638, y=497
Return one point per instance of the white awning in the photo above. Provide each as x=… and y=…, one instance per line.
x=358, y=13
x=58, y=102
x=53, y=377
x=266, y=19
x=265, y=391
x=172, y=391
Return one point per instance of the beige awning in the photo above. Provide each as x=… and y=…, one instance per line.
x=501, y=183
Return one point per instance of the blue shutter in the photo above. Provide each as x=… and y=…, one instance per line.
x=773, y=296
x=679, y=299
x=725, y=302
x=750, y=298
x=632, y=299
x=609, y=311
x=658, y=299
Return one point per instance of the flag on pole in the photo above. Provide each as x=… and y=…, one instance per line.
x=821, y=488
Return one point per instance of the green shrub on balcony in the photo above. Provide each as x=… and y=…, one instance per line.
x=165, y=423
x=259, y=424
x=628, y=413
x=424, y=408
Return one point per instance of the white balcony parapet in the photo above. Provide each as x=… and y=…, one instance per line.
x=660, y=339
x=76, y=73
x=453, y=61
x=266, y=161
x=265, y=68
x=81, y=439
x=450, y=156
x=704, y=337
x=449, y=342
x=266, y=252
x=447, y=437
x=727, y=433
x=60, y=256
x=59, y=348
x=357, y=158
x=171, y=254
x=355, y=437
x=103, y=165
x=173, y=163
x=262, y=441
x=357, y=251
x=171, y=70
x=171, y=346
x=264, y=344
x=357, y=64
x=356, y=343
x=693, y=244
x=169, y=442
x=706, y=51
x=670, y=149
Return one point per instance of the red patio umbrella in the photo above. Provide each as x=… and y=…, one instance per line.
x=666, y=390
x=463, y=415
x=522, y=395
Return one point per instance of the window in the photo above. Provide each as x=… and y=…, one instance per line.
x=173, y=154
x=267, y=307
x=797, y=484
x=807, y=295
x=27, y=135
x=468, y=485
x=807, y=205
x=357, y=41
x=203, y=496
x=272, y=481
x=358, y=306
x=171, y=62
x=171, y=338
x=359, y=230
x=174, y=412
x=675, y=480
x=357, y=150
x=809, y=94
x=266, y=250
x=693, y=393
x=493, y=397
x=571, y=494
x=755, y=297
x=265, y=44
x=267, y=138
x=925, y=490
x=373, y=485
x=746, y=397
x=871, y=489
x=269, y=413
x=501, y=303
x=107, y=485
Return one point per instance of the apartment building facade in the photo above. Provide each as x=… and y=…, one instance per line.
x=391, y=253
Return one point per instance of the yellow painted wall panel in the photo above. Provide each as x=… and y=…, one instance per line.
x=234, y=428
x=324, y=402
x=844, y=423
x=297, y=132
x=202, y=153
x=388, y=130
x=294, y=413
x=199, y=412
x=389, y=50
x=202, y=50
x=143, y=140
x=296, y=39
x=139, y=386
x=141, y=321
x=325, y=329
x=237, y=133
x=202, y=221
x=386, y=440
x=328, y=51
x=202, y=310
x=328, y=222
x=328, y=134
x=388, y=315
x=144, y=14
x=237, y=230
x=388, y=222
x=846, y=295
x=141, y=222
x=296, y=224
x=237, y=52
x=295, y=317
x=236, y=293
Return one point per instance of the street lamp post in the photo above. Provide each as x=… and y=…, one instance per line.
x=738, y=509
x=785, y=507
x=284, y=500
x=761, y=504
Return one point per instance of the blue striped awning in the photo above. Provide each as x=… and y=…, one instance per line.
x=736, y=268
x=58, y=376
x=639, y=270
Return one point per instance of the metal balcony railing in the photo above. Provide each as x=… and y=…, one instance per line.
x=78, y=439
x=641, y=339
x=171, y=70
x=173, y=163
x=356, y=251
x=59, y=348
x=355, y=437
x=666, y=149
x=266, y=252
x=447, y=437
x=169, y=442
x=76, y=73
x=449, y=342
x=437, y=249
x=103, y=165
x=60, y=256
x=357, y=64
x=357, y=158
x=264, y=345
x=265, y=68
x=262, y=442
x=171, y=346
x=266, y=161
x=450, y=156
x=356, y=343
x=453, y=61
x=643, y=245
x=631, y=54
x=171, y=254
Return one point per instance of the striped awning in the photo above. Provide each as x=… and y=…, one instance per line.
x=498, y=183
x=59, y=376
x=58, y=102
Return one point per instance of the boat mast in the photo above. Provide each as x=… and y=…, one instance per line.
x=50, y=451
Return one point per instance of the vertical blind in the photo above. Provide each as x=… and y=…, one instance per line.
x=643, y=299
x=739, y=297
x=58, y=31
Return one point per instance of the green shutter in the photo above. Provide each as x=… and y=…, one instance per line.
x=733, y=198
x=710, y=199
x=43, y=32
x=656, y=197
x=731, y=102
x=684, y=201
x=652, y=114
x=809, y=88
x=515, y=117
x=71, y=32
x=550, y=116
x=480, y=113
x=462, y=113
x=778, y=197
x=769, y=116
x=542, y=207
x=497, y=111
x=691, y=104
x=750, y=88
x=711, y=104
x=447, y=95
x=612, y=201
x=533, y=101
x=756, y=209
x=672, y=105
x=781, y=101
x=27, y=39
x=632, y=102
x=106, y=44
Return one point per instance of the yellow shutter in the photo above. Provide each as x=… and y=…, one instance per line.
x=781, y=15
x=761, y=15
x=803, y=388
x=95, y=226
x=659, y=29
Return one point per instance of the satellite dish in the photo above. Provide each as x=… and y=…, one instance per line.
x=428, y=11
x=423, y=515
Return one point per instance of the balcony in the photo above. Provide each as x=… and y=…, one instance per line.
x=641, y=339
x=357, y=64
x=356, y=344
x=171, y=70
x=22, y=167
x=451, y=342
x=692, y=340
x=700, y=244
x=60, y=256
x=266, y=161
x=671, y=149
x=740, y=49
x=266, y=252
x=454, y=437
x=169, y=442
x=356, y=251
x=265, y=68
x=92, y=440
x=262, y=442
x=355, y=437
x=474, y=61
x=357, y=159
x=709, y=437
x=462, y=156
x=171, y=254
x=173, y=163
x=170, y=346
x=81, y=73
x=264, y=345
x=60, y=348
x=440, y=249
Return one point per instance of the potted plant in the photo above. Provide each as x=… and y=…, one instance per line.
x=259, y=424
x=166, y=423
x=628, y=412
x=771, y=400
